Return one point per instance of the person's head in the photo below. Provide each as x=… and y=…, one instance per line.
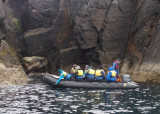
x=60, y=71
x=87, y=66
x=74, y=65
x=119, y=61
x=78, y=67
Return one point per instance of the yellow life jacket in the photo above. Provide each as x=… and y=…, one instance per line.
x=64, y=73
x=113, y=73
x=91, y=71
x=98, y=72
x=80, y=72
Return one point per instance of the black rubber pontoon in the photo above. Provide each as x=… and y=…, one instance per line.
x=51, y=79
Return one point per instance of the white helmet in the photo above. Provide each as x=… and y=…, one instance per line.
x=78, y=67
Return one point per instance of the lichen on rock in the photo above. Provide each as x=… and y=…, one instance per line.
x=11, y=72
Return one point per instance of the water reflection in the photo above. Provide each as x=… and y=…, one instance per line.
x=42, y=98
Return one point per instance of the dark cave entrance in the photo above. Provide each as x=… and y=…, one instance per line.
x=65, y=58
x=77, y=56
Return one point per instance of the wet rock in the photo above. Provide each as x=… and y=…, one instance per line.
x=62, y=29
x=37, y=41
x=42, y=13
x=114, y=34
x=142, y=58
x=2, y=16
x=1, y=36
x=8, y=55
x=15, y=22
x=11, y=72
x=2, y=13
x=12, y=75
x=35, y=64
x=2, y=66
x=103, y=26
x=35, y=78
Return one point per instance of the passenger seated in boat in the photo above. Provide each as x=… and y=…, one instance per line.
x=115, y=66
x=73, y=69
x=111, y=76
x=79, y=73
x=86, y=69
x=90, y=74
x=100, y=74
x=63, y=74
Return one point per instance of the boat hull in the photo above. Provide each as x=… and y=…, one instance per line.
x=51, y=79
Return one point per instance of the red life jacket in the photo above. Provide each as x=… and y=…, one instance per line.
x=116, y=65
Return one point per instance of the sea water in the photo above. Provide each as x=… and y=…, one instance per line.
x=41, y=98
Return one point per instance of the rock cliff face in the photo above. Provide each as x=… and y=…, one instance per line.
x=11, y=71
x=142, y=56
x=86, y=32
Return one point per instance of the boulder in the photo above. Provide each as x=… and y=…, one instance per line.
x=35, y=64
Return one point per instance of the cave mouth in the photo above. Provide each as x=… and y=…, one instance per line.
x=77, y=57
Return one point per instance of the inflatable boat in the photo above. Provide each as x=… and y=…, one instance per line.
x=51, y=79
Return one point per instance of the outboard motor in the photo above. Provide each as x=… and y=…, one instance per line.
x=126, y=78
